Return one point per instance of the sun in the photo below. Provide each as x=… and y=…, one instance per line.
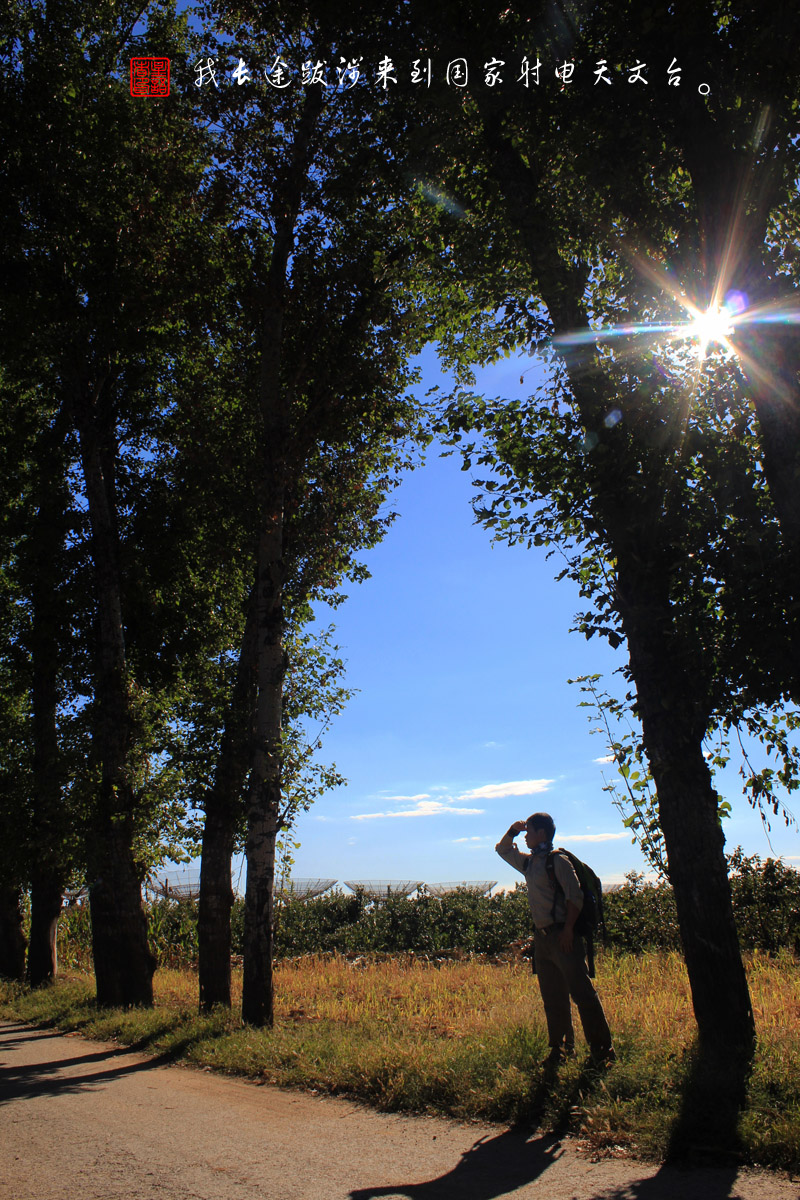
x=713, y=325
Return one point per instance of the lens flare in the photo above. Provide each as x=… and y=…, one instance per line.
x=736, y=302
x=713, y=325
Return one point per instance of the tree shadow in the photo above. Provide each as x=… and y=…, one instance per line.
x=713, y=1098
x=672, y=1182
x=704, y=1153
x=10, y=1034
x=60, y=1063
x=35, y=1032
x=27, y=1082
x=45, y=1078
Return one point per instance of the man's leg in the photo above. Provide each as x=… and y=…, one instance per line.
x=554, y=988
x=582, y=991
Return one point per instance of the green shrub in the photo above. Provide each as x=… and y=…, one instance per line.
x=461, y=921
x=74, y=938
x=766, y=901
x=172, y=930
x=639, y=916
x=171, y=926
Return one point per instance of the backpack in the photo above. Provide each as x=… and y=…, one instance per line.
x=591, y=917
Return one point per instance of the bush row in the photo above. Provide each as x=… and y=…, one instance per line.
x=639, y=916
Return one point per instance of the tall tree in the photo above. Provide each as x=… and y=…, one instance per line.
x=15, y=777
x=101, y=237
x=578, y=187
x=37, y=514
x=334, y=330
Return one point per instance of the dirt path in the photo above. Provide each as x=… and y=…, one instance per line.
x=85, y=1120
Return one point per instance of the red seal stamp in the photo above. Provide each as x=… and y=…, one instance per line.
x=149, y=76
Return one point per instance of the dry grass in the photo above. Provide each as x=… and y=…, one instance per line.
x=467, y=1038
x=641, y=994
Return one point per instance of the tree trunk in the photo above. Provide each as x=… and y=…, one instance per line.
x=123, y=963
x=49, y=819
x=264, y=788
x=223, y=808
x=259, y=920
x=264, y=793
x=672, y=701
x=47, y=898
x=687, y=806
x=216, y=900
x=672, y=712
x=12, y=939
x=274, y=396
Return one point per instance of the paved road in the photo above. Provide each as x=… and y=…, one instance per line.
x=84, y=1120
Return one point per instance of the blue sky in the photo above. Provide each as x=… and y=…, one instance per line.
x=464, y=720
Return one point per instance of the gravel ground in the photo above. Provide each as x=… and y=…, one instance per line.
x=84, y=1120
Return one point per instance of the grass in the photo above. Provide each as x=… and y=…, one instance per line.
x=467, y=1038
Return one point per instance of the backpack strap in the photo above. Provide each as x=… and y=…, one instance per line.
x=551, y=875
x=586, y=934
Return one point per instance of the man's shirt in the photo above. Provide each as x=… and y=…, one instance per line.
x=548, y=903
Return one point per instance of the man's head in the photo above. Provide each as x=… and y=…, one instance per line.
x=539, y=828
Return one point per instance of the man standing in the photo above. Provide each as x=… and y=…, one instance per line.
x=560, y=953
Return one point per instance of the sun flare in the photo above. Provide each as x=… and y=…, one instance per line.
x=712, y=326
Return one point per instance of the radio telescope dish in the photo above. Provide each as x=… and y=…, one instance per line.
x=481, y=886
x=382, y=889
x=304, y=889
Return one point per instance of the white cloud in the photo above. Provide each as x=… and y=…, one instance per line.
x=606, y=758
x=470, y=839
x=421, y=796
x=592, y=837
x=519, y=787
x=424, y=808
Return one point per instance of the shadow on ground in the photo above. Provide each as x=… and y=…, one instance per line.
x=494, y=1166
x=56, y=1076
x=703, y=1160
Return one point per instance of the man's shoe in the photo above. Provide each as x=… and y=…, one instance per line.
x=555, y=1058
x=603, y=1057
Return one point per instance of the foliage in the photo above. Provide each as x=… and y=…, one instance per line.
x=106, y=253
x=633, y=795
x=74, y=938
x=636, y=460
x=671, y=500
x=461, y=921
x=171, y=929
x=766, y=899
